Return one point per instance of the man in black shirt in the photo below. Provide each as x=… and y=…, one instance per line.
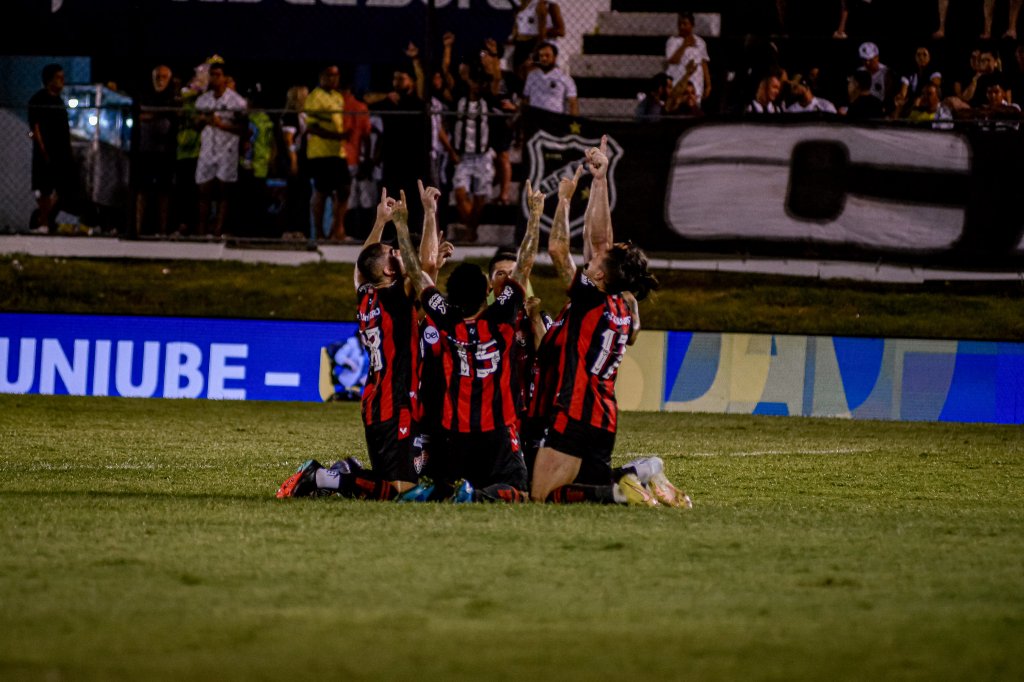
x=403, y=146
x=53, y=171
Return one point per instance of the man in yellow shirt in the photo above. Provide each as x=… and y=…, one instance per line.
x=326, y=153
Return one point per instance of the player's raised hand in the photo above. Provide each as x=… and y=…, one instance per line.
x=567, y=185
x=428, y=196
x=386, y=206
x=597, y=159
x=445, y=250
x=400, y=210
x=534, y=200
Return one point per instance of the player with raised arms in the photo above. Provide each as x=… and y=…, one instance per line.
x=573, y=463
x=480, y=458
x=388, y=330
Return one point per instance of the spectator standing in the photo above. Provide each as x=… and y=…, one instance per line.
x=356, y=122
x=687, y=57
x=53, y=168
x=292, y=136
x=499, y=92
x=154, y=161
x=325, y=150
x=536, y=22
x=222, y=113
x=186, y=195
x=473, y=156
x=402, y=149
x=548, y=87
x=988, y=14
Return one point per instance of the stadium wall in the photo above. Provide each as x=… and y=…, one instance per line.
x=677, y=371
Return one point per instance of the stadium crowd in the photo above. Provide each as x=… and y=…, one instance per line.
x=495, y=401
x=210, y=157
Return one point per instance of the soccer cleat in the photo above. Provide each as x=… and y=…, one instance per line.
x=666, y=493
x=463, y=491
x=420, y=493
x=303, y=482
x=635, y=492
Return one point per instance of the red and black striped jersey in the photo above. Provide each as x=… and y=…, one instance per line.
x=475, y=355
x=597, y=329
x=544, y=374
x=387, y=328
x=430, y=393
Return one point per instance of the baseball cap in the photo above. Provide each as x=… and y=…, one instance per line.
x=868, y=51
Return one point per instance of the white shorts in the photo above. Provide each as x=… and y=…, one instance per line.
x=218, y=163
x=475, y=174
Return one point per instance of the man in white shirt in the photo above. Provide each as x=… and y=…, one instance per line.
x=548, y=87
x=221, y=111
x=804, y=101
x=687, y=57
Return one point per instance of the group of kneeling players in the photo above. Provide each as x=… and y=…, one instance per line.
x=495, y=401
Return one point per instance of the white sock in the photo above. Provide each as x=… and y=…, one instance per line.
x=646, y=467
x=617, y=494
x=328, y=478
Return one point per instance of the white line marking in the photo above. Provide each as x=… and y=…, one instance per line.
x=289, y=379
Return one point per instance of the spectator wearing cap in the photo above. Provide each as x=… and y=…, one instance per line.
x=883, y=82
x=548, y=87
x=864, y=106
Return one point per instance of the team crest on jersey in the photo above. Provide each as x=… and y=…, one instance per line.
x=553, y=157
x=431, y=335
x=438, y=304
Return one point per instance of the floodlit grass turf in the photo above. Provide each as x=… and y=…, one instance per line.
x=140, y=540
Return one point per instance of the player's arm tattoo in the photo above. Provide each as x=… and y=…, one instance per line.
x=531, y=240
x=410, y=258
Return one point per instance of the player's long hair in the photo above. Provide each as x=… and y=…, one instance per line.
x=625, y=267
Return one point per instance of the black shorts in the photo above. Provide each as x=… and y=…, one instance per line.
x=153, y=171
x=330, y=174
x=581, y=440
x=532, y=432
x=483, y=459
x=57, y=176
x=389, y=445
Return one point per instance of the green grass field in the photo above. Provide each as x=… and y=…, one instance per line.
x=141, y=540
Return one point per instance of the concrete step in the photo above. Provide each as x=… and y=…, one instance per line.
x=655, y=24
x=615, y=65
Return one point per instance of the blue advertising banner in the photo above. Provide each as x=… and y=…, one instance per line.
x=150, y=357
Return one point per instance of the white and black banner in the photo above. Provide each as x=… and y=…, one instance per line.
x=804, y=188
